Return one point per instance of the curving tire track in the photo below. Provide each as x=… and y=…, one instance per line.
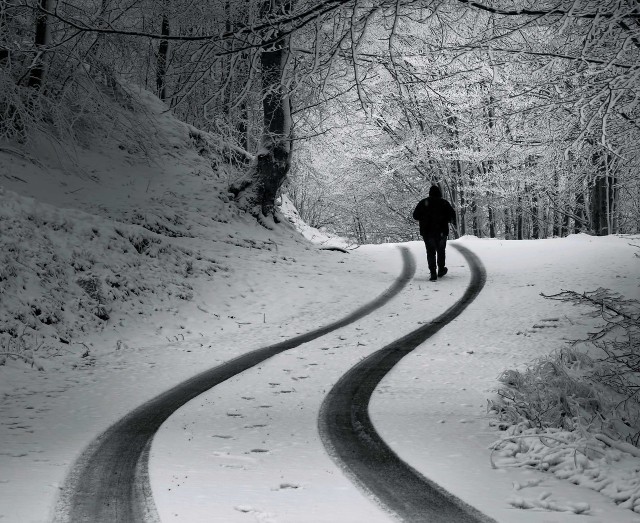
x=350, y=438
x=109, y=482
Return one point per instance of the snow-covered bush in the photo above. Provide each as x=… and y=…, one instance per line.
x=576, y=412
x=556, y=391
x=592, y=383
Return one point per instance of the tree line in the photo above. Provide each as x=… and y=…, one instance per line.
x=524, y=112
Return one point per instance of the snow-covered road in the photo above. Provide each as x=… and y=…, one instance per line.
x=353, y=442
x=110, y=481
x=249, y=450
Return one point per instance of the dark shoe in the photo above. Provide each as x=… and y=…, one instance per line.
x=442, y=272
x=434, y=276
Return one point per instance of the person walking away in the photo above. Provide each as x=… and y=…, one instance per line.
x=434, y=214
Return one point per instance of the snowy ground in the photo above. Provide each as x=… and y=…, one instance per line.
x=187, y=282
x=250, y=446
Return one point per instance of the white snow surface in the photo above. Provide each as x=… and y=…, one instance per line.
x=189, y=282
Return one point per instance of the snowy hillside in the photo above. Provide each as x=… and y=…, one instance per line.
x=92, y=238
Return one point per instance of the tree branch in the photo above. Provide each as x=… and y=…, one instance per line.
x=544, y=12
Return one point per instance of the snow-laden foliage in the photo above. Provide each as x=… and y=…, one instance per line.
x=553, y=392
x=588, y=460
x=576, y=411
x=593, y=383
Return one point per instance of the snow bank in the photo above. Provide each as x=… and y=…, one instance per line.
x=576, y=456
x=64, y=272
x=320, y=237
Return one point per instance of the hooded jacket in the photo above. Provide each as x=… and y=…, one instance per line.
x=434, y=214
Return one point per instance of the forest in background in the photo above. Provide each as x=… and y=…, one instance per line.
x=524, y=112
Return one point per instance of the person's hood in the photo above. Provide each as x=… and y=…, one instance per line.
x=435, y=192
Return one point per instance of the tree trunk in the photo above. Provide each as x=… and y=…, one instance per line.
x=463, y=210
x=519, y=220
x=6, y=17
x=41, y=39
x=474, y=219
x=554, y=212
x=507, y=224
x=453, y=194
x=602, y=201
x=603, y=195
x=473, y=208
x=557, y=223
x=274, y=159
x=564, y=231
x=492, y=223
x=579, y=213
x=535, y=217
x=161, y=64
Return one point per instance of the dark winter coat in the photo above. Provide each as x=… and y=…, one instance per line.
x=434, y=215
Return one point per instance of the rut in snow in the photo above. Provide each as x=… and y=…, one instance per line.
x=350, y=438
x=109, y=482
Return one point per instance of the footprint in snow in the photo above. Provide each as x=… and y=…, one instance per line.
x=261, y=517
x=285, y=486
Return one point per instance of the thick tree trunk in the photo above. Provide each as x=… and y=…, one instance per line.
x=492, y=223
x=274, y=159
x=161, y=64
x=602, y=202
x=474, y=219
x=41, y=39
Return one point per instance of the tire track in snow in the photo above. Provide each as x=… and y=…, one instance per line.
x=110, y=482
x=352, y=441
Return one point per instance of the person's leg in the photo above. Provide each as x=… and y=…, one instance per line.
x=432, y=247
x=441, y=252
